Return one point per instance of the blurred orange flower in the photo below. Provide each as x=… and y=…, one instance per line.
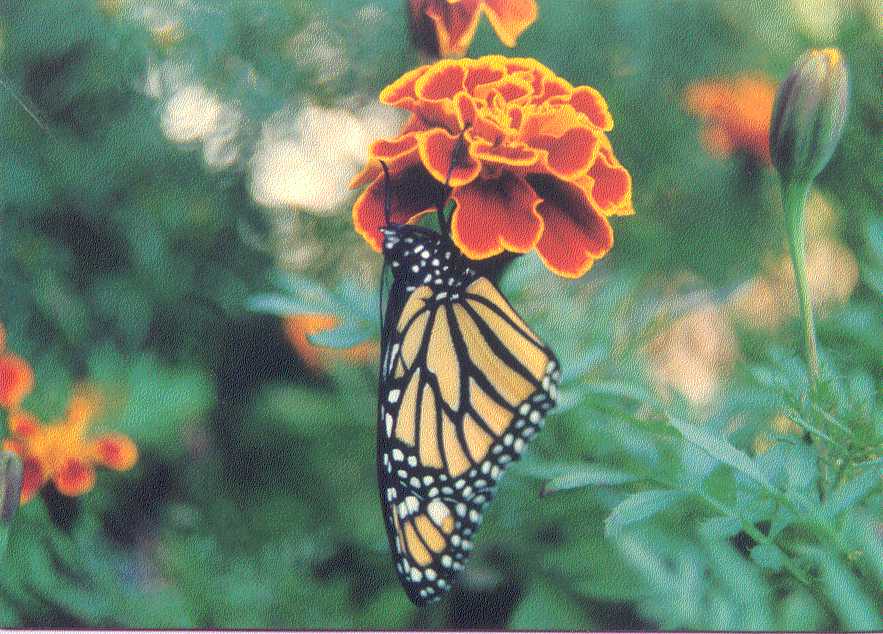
x=299, y=328
x=446, y=27
x=16, y=376
x=539, y=171
x=63, y=452
x=737, y=112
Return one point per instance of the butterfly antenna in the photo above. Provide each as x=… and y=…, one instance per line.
x=387, y=215
x=387, y=194
x=457, y=160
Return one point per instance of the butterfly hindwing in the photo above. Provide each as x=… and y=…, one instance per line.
x=464, y=385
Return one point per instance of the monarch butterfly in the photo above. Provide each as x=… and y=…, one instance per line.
x=464, y=385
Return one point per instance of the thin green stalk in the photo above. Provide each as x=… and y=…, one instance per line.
x=794, y=198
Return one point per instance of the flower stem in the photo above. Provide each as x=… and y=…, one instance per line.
x=794, y=196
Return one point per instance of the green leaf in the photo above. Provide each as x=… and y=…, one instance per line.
x=716, y=528
x=638, y=507
x=769, y=556
x=856, y=610
x=284, y=306
x=4, y=538
x=800, y=611
x=721, y=485
x=852, y=492
x=801, y=467
x=546, y=607
x=346, y=335
x=628, y=390
x=722, y=450
x=588, y=475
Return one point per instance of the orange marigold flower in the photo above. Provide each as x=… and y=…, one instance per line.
x=539, y=171
x=737, y=112
x=299, y=328
x=446, y=27
x=16, y=376
x=63, y=452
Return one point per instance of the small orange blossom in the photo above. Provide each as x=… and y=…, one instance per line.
x=299, y=328
x=63, y=452
x=16, y=376
x=737, y=112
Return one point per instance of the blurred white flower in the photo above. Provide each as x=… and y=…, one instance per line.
x=306, y=161
x=194, y=114
x=191, y=114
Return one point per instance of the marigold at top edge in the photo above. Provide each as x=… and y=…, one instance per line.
x=445, y=28
x=531, y=141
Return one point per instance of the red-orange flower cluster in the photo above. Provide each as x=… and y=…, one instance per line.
x=737, y=112
x=446, y=27
x=62, y=453
x=539, y=171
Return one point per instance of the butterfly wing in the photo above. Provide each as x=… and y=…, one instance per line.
x=464, y=386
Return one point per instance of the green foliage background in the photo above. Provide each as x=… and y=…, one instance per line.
x=129, y=262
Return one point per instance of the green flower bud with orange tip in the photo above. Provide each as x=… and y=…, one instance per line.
x=808, y=115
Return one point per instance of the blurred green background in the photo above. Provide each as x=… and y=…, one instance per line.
x=164, y=164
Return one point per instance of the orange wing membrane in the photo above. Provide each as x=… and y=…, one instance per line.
x=464, y=385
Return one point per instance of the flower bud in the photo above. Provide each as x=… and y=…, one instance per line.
x=808, y=115
x=11, y=478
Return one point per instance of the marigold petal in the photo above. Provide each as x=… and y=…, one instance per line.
x=551, y=121
x=443, y=80
x=569, y=155
x=510, y=18
x=75, y=477
x=513, y=155
x=482, y=71
x=398, y=154
x=510, y=89
x=610, y=189
x=470, y=119
x=115, y=451
x=437, y=152
x=555, y=87
x=589, y=102
x=455, y=24
x=575, y=234
x=496, y=215
x=526, y=68
x=401, y=93
x=412, y=193
x=16, y=380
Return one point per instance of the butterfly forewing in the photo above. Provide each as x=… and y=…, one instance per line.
x=464, y=385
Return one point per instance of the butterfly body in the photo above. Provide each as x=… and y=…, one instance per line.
x=464, y=385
